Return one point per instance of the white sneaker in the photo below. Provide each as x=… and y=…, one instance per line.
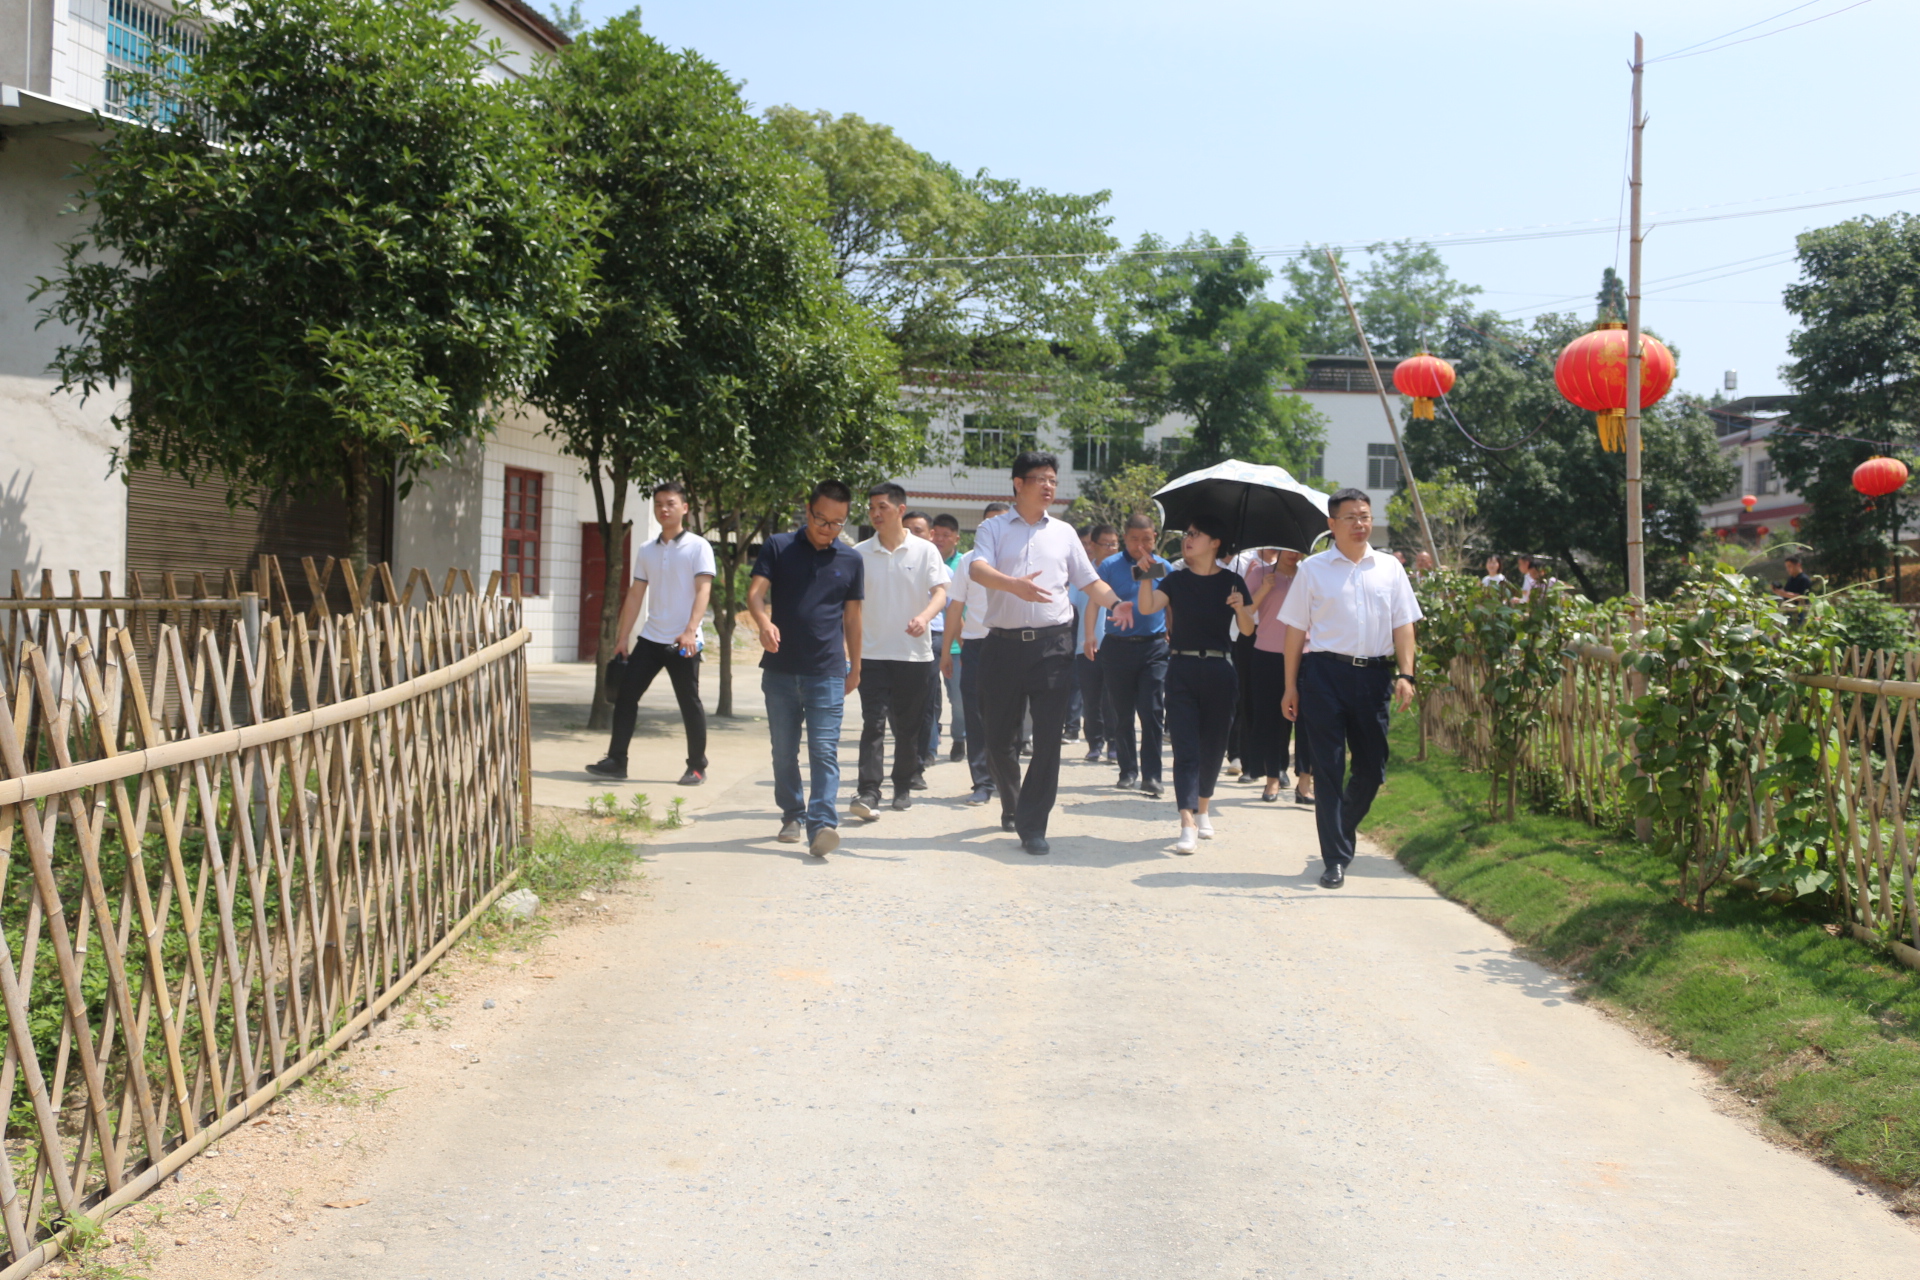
x=1205, y=827
x=1187, y=842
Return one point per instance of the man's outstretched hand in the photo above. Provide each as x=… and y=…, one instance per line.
x=1029, y=590
x=770, y=638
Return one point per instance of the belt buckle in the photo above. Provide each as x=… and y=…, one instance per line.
x=1359, y=662
x=1026, y=633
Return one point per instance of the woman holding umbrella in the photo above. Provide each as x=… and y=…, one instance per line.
x=1201, y=598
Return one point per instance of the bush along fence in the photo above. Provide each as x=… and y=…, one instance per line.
x=233, y=834
x=1743, y=737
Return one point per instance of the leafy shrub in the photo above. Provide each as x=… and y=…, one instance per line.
x=1867, y=619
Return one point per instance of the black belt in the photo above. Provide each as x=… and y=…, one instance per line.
x=1201, y=653
x=1156, y=635
x=1031, y=633
x=1348, y=660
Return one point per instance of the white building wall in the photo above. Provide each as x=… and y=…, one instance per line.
x=1353, y=422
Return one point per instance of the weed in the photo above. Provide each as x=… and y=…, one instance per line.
x=676, y=817
x=85, y=1242
x=640, y=812
x=328, y=1085
x=560, y=864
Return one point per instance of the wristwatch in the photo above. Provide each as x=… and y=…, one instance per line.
x=1401, y=675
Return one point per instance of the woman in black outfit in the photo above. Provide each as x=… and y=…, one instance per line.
x=1201, y=597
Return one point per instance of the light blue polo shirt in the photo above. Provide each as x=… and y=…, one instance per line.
x=1117, y=572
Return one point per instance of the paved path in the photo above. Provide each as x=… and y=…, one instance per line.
x=934, y=1056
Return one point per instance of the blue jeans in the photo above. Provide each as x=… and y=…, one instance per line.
x=814, y=703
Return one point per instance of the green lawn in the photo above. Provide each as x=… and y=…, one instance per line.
x=1819, y=1030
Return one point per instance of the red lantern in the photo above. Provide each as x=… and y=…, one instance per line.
x=1723, y=533
x=1424, y=379
x=1748, y=500
x=1878, y=477
x=1795, y=522
x=1592, y=372
x=1761, y=531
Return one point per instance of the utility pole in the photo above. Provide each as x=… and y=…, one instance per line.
x=1393, y=421
x=1636, y=535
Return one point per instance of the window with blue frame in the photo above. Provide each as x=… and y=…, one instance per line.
x=142, y=38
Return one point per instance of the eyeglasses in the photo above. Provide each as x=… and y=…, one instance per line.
x=1366, y=519
x=818, y=523
x=1040, y=478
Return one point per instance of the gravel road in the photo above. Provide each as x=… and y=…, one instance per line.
x=933, y=1056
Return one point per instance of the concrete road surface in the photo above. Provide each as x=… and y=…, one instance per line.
x=934, y=1056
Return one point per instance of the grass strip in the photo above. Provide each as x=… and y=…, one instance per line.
x=1817, y=1030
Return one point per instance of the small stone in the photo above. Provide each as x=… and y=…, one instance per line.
x=486, y=1004
x=521, y=904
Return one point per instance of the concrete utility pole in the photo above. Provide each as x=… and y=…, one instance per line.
x=1636, y=536
x=1393, y=421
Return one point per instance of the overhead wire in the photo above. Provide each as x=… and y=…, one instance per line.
x=1694, y=51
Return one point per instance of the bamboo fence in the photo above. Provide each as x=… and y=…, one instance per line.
x=1865, y=713
x=233, y=834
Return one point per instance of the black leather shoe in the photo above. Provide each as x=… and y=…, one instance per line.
x=1036, y=845
x=1334, y=878
x=866, y=808
x=919, y=783
x=902, y=801
x=608, y=767
x=958, y=753
x=1007, y=823
x=1152, y=789
x=1126, y=783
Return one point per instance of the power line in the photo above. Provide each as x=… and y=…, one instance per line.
x=1696, y=51
x=1736, y=31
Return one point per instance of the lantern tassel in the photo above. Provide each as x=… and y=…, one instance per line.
x=1613, y=430
x=1422, y=409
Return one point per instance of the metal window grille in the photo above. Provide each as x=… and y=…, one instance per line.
x=1383, y=467
x=143, y=39
x=1092, y=453
x=1765, y=481
x=1316, y=468
x=520, y=539
x=994, y=440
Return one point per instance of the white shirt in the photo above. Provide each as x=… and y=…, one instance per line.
x=972, y=598
x=1350, y=606
x=671, y=571
x=1051, y=548
x=900, y=585
x=1240, y=564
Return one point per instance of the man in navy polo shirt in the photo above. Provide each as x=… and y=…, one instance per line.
x=1133, y=659
x=812, y=658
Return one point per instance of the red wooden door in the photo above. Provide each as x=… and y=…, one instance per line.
x=593, y=576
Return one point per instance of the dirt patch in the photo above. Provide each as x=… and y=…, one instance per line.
x=260, y=1192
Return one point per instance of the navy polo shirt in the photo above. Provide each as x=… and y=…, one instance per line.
x=1117, y=572
x=810, y=587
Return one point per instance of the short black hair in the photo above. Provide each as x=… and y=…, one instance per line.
x=1792, y=560
x=945, y=521
x=832, y=491
x=1139, y=520
x=918, y=515
x=1213, y=527
x=994, y=509
x=669, y=486
x=893, y=493
x=1340, y=497
x=1100, y=531
x=1033, y=460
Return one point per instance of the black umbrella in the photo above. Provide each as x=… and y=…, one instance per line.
x=1260, y=506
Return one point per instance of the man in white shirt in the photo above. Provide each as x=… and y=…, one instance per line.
x=1027, y=559
x=906, y=585
x=967, y=619
x=1356, y=609
x=673, y=577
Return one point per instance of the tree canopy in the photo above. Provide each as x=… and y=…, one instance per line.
x=1403, y=294
x=1544, y=485
x=336, y=247
x=1856, y=369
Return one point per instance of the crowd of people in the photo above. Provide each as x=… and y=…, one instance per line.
x=1259, y=663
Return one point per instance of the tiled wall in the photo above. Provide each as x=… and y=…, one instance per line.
x=80, y=51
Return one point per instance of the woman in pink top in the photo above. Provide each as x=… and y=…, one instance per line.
x=1269, y=733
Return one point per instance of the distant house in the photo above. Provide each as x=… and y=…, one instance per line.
x=512, y=504
x=982, y=444
x=1743, y=428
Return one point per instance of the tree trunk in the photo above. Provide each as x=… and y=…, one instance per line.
x=611, y=517
x=357, y=479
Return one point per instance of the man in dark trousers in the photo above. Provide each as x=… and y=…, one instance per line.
x=1355, y=608
x=1027, y=560
x=1133, y=659
x=906, y=588
x=673, y=574
x=966, y=618
x=1100, y=541
x=812, y=658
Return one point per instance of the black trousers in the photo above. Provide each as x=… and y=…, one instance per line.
x=1200, y=697
x=1344, y=708
x=1019, y=676
x=1270, y=734
x=1134, y=673
x=1237, y=736
x=930, y=737
x=1097, y=706
x=972, y=654
x=892, y=695
x=644, y=662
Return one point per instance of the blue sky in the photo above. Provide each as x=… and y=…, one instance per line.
x=1295, y=123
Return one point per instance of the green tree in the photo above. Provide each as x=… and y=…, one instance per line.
x=1611, y=302
x=341, y=246
x=719, y=350
x=1199, y=336
x=1403, y=294
x=1856, y=367
x=1453, y=513
x=1545, y=486
x=1126, y=491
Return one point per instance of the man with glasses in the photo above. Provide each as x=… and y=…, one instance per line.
x=812, y=658
x=1356, y=609
x=1028, y=560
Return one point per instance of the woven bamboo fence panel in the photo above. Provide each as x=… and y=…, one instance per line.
x=227, y=847
x=1865, y=713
